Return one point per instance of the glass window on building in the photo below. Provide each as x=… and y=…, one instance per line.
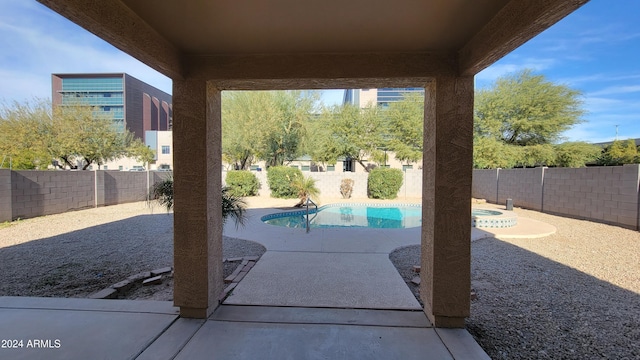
x=166, y=149
x=348, y=165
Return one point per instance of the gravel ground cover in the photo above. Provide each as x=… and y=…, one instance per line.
x=572, y=295
x=78, y=253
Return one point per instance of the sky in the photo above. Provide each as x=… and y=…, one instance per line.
x=595, y=50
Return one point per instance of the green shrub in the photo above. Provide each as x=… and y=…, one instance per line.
x=279, y=179
x=242, y=183
x=384, y=183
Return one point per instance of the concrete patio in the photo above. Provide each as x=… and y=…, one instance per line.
x=55, y=328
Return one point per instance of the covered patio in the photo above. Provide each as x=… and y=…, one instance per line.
x=207, y=47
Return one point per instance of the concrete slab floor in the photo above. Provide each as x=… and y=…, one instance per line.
x=298, y=315
x=44, y=328
x=245, y=340
x=52, y=328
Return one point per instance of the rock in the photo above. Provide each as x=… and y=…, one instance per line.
x=233, y=275
x=416, y=280
x=153, y=281
x=240, y=276
x=108, y=293
x=164, y=270
x=122, y=286
x=139, y=276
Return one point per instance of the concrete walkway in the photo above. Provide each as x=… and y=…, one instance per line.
x=337, y=267
x=336, y=280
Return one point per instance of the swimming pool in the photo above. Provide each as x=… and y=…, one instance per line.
x=376, y=216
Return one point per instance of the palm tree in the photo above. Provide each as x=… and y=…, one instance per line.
x=162, y=192
x=232, y=206
x=306, y=188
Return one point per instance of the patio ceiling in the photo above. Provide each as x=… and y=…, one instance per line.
x=174, y=35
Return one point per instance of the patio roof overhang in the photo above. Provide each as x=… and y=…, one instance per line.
x=207, y=47
x=330, y=40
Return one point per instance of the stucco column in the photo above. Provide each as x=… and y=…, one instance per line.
x=197, y=215
x=446, y=200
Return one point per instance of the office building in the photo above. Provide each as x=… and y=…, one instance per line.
x=378, y=97
x=133, y=104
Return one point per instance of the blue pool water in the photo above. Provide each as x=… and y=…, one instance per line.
x=350, y=215
x=376, y=216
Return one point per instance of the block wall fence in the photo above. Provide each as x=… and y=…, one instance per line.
x=607, y=194
x=27, y=193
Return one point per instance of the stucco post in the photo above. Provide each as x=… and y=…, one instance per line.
x=446, y=200
x=197, y=215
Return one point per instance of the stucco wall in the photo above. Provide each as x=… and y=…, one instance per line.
x=606, y=194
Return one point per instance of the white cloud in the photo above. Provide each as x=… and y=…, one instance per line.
x=43, y=43
x=600, y=104
x=585, y=133
x=500, y=68
x=623, y=89
x=20, y=86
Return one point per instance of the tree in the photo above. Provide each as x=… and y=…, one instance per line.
x=526, y=109
x=405, y=127
x=23, y=130
x=286, y=130
x=490, y=153
x=576, y=154
x=350, y=132
x=619, y=153
x=33, y=136
x=242, y=126
x=535, y=155
x=518, y=120
x=141, y=152
x=82, y=134
x=268, y=125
